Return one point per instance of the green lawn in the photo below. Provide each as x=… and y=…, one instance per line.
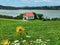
x=35, y=28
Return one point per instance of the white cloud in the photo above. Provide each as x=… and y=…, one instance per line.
x=36, y=0
x=42, y=0
x=24, y=0
x=47, y=1
x=52, y=1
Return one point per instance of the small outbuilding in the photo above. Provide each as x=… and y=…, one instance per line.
x=28, y=16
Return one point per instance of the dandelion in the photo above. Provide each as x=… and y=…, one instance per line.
x=6, y=42
x=19, y=29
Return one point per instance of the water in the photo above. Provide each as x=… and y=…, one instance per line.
x=46, y=13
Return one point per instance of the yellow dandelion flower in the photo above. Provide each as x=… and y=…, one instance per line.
x=6, y=42
x=19, y=29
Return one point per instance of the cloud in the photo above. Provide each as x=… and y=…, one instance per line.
x=36, y=0
x=41, y=2
x=24, y=0
x=51, y=1
x=47, y=1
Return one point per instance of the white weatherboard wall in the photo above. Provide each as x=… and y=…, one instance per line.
x=31, y=17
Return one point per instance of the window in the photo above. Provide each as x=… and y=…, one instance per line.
x=31, y=17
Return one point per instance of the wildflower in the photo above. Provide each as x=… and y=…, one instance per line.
x=42, y=44
x=16, y=41
x=38, y=40
x=24, y=41
x=17, y=44
x=31, y=43
x=45, y=42
x=12, y=43
x=28, y=36
x=19, y=29
x=48, y=40
x=6, y=42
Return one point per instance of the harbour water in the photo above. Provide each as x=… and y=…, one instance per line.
x=46, y=13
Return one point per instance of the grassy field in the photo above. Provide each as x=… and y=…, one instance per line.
x=35, y=28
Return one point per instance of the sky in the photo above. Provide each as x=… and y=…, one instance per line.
x=22, y=3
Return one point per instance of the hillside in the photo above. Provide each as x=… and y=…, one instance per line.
x=8, y=7
x=35, y=28
x=30, y=8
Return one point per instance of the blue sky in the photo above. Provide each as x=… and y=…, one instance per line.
x=20, y=3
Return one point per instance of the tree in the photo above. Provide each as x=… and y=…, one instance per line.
x=35, y=16
x=40, y=16
x=19, y=17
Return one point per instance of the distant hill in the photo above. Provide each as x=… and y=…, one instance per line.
x=8, y=7
x=30, y=8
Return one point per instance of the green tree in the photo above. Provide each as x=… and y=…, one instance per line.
x=35, y=16
x=20, y=16
x=40, y=16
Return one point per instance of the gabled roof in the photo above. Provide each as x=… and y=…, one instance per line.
x=29, y=14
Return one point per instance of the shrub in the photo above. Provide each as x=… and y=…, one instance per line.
x=55, y=19
x=5, y=16
x=35, y=15
x=46, y=19
x=40, y=16
x=19, y=17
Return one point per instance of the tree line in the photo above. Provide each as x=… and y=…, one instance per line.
x=36, y=17
x=31, y=8
x=20, y=16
